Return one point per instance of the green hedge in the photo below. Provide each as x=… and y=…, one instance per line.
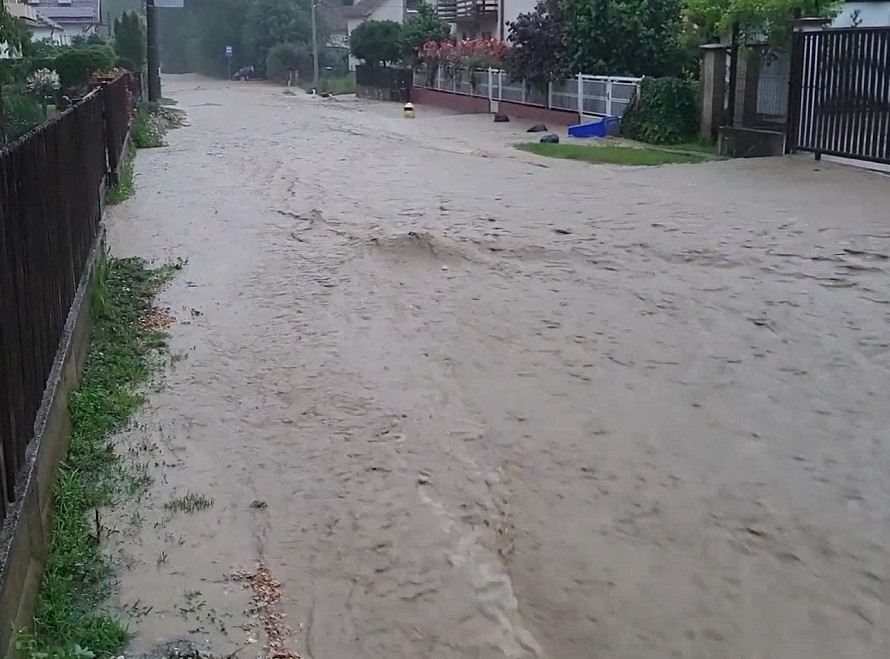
x=74, y=65
x=664, y=112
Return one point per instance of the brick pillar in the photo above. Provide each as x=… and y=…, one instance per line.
x=713, y=90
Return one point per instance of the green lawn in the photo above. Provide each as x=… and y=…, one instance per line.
x=612, y=155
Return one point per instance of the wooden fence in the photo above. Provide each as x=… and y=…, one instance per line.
x=51, y=186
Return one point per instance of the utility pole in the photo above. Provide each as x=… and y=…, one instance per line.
x=154, y=54
x=314, y=45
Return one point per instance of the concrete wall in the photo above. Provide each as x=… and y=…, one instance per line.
x=26, y=531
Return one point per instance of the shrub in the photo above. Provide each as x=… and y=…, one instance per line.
x=282, y=59
x=376, y=42
x=23, y=113
x=129, y=39
x=664, y=112
x=76, y=64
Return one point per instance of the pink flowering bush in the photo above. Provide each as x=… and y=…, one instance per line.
x=468, y=54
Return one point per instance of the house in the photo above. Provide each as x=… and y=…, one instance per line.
x=867, y=13
x=482, y=18
x=375, y=10
x=77, y=17
x=40, y=27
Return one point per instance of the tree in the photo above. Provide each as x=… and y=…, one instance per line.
x=270, y=22
x=130, y=41
x=195, y=38
x=13, y=33
x=420, y=28
x=758, y=21
x=538, y=52
x=376, y=42
x=286, y=57
x=623, y=37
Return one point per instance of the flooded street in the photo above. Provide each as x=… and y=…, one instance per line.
x=463, y=401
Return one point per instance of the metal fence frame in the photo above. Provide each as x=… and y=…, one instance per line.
x=839, y=101
x=588, y=95
x=51, y=186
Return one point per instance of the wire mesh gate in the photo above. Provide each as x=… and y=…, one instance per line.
x=840, y=93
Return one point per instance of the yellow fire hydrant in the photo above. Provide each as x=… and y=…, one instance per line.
x=409, y=111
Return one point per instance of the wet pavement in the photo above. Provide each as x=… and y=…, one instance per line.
x=462, y=401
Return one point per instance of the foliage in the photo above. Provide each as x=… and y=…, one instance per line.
x=469, y=54
x=613, y=155
x=623, y=37
x=151, y=122
x=43, y=83
x=45, y=49
x=194, y=39
x=376, y=42
x=538, y=53
x=270, y=22
x=421, y=28
x=75, y=65
x=286, y=57
x=759, y=21
x=69, y=621
x=22, y=113
x=13, y=32
x=130, y=41
x=665, y=112
x=125, y=185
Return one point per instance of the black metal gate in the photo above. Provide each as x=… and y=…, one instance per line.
x=839, y=101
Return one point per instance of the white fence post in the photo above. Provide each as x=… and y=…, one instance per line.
x=608, y=98
x=580, y=97
x=500, y=85
x=549, y=94
x=439, y=78
x=490, y=92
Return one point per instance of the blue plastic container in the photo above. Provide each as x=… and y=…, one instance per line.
x=595, y=128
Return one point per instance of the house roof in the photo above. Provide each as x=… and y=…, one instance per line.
x=362, y=9
x=79, y=12
x=31, y=17
x=334, y=16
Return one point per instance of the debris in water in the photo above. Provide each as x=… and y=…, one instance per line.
x=265, y=601
x=257, y=504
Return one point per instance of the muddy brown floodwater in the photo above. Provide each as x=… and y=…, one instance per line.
x=462, y=401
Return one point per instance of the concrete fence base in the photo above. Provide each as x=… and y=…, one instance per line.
x=26, y=531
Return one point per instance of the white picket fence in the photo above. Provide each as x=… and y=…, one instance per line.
x=589, y=96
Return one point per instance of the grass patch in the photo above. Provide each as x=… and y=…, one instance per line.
x=165, y=100
x=612, y=155
x=333, y=86
x=146, y=132
x=699, y=146
x=125, y=186
x=190, y=503
x=69, y=621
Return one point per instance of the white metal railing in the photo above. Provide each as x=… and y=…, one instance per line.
x=585, y=94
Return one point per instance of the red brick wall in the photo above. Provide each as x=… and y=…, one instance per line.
x=458, y=102
x=537, y=113
x=467, y=104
